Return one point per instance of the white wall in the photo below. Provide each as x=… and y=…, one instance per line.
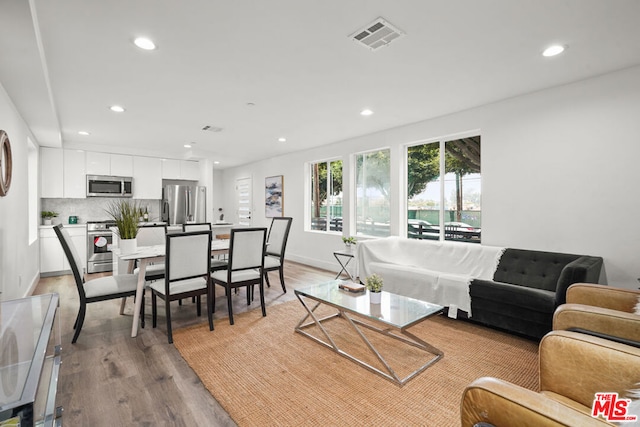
x=19, y=261
x=558, y=169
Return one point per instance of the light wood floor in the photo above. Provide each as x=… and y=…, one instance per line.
x=110, y=379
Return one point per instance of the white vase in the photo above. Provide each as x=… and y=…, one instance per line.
x=128, y=246
x=48, y=221
x=375, y=297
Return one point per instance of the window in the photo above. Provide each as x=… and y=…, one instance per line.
x=32, y=168
x=373, y=186
x=326, y=196
x=444, y=190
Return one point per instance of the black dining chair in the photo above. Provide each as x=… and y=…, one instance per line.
x=276, y=246
x=187, y=264
x=95, y=290
x=246, y=265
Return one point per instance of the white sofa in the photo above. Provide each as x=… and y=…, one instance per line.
x=434, y=271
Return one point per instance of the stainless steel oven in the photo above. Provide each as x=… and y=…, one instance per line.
x=99, y=241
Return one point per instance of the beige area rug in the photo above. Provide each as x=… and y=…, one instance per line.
x=265, y=374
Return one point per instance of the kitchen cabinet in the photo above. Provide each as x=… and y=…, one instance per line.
x=75, y=175
x=181, y=169
x=98, y=163
x=51, y=174
x=189, y=170
x=52, y=258
x=147, y=178
x=62, y=173
x=30, y=362
x=121, y=165
x=109, y=164
x=170, y=169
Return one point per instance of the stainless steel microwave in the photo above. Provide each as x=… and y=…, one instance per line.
x=109, y=186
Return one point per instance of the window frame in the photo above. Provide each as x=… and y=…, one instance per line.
x=442, y=141
x=308, y=208
x=354, y=189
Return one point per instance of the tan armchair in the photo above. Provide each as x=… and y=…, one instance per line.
x=604, y=310
x=573, y=367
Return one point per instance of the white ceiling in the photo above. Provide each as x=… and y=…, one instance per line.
x=65, y=62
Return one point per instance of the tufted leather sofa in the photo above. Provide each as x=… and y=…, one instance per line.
x=573, y=367
x=527, y=287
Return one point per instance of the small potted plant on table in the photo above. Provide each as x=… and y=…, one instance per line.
x=374, y=285
x=348, y=242
x=47, y=216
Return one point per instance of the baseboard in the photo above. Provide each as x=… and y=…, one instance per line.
x=324, y=265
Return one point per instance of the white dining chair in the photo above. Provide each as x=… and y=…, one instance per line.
x=152, y=235
x=187, y=261
x=246, y=265
x=216, y=264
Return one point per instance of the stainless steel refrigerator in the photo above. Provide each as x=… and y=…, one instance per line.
x=182, y=204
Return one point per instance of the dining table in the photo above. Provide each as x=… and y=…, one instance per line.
x=147, y=255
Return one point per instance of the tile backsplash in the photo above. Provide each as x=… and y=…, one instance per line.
x=92, y=208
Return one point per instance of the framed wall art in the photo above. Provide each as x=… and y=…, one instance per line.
x=274, y=196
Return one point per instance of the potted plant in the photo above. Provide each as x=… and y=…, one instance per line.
x=126, y=214
x=47, y=216
x=348, y=241
x=374, y=284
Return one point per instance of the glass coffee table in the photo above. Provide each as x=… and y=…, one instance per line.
x=395, y=313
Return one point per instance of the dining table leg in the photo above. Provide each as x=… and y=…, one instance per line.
x=130, y=269
x=139, y=291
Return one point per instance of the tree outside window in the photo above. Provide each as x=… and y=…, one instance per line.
x=373, y=186
x=326, y=196
x=460, y=203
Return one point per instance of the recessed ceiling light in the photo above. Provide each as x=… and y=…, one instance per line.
x=187, y=146
x=366, y=112
x=117, y=109
x=83, y=132
x=216, y=162
x=553, y=50
x=282, y=139
x=144, y=43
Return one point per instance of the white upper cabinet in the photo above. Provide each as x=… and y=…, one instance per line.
x=147, y=178
x=170, y=169
x=98, y=163
x=75, y=175
x=181, y=169
x=109, y=164
x=189, y=170
x=51, y=172
x=121, y=165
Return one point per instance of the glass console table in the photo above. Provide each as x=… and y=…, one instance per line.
x=29, y=361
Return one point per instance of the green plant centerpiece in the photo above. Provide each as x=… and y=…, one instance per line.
x=126, y=214
x=349, y=241
x=48, y=215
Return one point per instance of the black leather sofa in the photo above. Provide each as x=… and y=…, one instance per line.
x=527, y=287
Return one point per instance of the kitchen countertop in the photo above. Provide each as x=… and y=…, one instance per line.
x=82, y=225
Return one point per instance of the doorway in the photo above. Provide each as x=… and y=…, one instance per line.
x=243, y=202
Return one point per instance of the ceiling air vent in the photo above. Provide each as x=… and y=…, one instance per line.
x=377, y=34
x=212, y=129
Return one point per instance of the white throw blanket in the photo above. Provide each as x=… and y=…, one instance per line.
x=433, y=271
